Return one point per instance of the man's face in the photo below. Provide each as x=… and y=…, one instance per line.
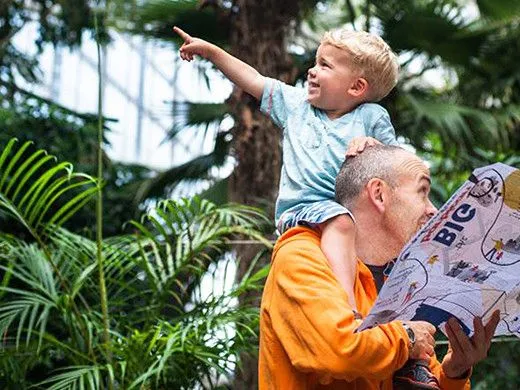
x=410, y=206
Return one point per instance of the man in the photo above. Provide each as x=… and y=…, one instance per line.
x=307, y=328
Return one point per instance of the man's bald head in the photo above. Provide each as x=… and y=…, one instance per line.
x=380, y=161
x=387, y=190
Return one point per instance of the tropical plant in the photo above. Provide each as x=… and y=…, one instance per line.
x=168, y=329
x=60, y=22
x=69, y=135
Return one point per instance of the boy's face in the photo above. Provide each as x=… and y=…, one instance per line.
x=331, y=79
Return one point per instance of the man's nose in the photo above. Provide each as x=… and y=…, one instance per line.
x=312, y=71
x=431, y=210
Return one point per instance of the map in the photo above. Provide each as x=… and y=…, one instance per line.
x=464, y=262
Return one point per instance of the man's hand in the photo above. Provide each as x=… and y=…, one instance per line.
x=193, y=46
x=358, y=144
x=423, y=348
x=464, y=352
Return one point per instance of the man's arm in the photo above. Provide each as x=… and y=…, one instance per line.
x=316, y=326
x=243, y=75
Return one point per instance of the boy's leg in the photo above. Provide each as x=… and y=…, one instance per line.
x=338, y=244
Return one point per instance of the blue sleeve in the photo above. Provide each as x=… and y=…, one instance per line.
x=381, y=127
x=279, y=100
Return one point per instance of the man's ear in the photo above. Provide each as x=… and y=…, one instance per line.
x=377, y=191
x=358, y=88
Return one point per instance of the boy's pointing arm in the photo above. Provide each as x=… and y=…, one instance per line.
x=243, y=75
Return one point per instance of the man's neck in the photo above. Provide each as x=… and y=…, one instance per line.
x=373, y=244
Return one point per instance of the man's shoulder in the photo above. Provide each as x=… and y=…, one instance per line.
x=296, y=240
x=297, y=234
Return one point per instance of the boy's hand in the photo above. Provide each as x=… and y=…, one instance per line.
x=358, y=144
x=193, y=46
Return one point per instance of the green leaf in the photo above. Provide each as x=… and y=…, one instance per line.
x=46, y=186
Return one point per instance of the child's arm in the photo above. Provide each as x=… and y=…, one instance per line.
x=240, y=73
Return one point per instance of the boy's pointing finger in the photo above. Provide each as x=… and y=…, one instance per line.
x=181, y=33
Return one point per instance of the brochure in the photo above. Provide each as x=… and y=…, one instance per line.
x=464, y=262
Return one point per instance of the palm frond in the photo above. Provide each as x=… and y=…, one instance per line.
x=30, y=303
x=217, y=193
x=166, y=327
x=157, y=17
x=76, y=257
x=205, y=341
x=189, y=116
x=499, y=9
x=456, y=124
x=429, y=27
x=184, y=236
x=195, y=169
x=35, y=190
x=75, y=378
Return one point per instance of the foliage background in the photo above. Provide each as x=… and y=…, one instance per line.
x=457, y=102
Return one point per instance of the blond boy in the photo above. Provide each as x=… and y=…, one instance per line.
x=352, y=69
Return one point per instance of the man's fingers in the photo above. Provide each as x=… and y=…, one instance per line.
x=461, y=339
x=479, y=337
x=182, y=34
x=429, y=327
x=427, y=352
x=424, y=356
x=453, y=339
x=432, y=329
x=431, y=339
x=491, y=325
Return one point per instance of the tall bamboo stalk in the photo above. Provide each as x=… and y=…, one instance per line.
x=99, y=209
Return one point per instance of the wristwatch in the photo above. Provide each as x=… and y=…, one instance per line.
x=411, y=336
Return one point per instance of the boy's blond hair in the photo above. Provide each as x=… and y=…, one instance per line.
x=371, y=56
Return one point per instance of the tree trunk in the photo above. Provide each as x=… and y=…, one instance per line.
x=258, y=37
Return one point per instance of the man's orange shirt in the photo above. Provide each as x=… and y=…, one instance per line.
x=307, y=338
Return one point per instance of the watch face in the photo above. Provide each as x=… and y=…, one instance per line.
x=411, y=335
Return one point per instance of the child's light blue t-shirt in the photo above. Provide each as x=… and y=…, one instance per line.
x=314, y=146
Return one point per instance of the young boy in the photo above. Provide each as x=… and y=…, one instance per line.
x=352, y=70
